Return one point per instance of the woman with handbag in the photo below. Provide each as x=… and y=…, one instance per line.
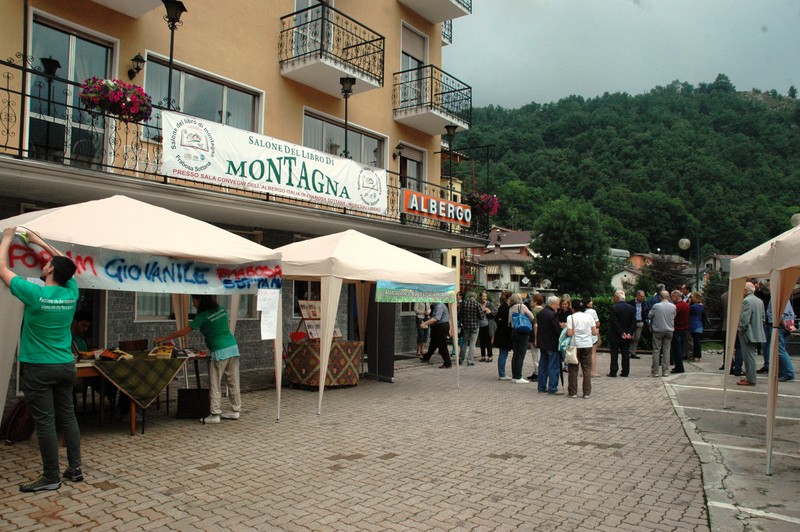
x=580, y=327
x=487, y=325
x=502, y=335
x=521, y=321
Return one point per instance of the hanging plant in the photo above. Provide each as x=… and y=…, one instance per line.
x=127, y=102
x=482, y=203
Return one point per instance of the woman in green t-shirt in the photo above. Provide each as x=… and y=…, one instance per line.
x=212, y=321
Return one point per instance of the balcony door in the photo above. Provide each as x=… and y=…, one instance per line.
x=311, y=34
x=411, y=62
x=59, y=129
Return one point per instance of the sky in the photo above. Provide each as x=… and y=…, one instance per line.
x=514, y=52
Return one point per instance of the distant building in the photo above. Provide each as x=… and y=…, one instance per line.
x=501, y=265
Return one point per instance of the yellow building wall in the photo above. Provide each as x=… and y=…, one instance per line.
x=240, y=41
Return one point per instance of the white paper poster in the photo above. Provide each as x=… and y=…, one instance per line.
x=267, y=303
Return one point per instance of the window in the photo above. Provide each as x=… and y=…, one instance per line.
x=411, y=167
x=200, y=96
x=59, y=129
x=307, y=291
x=328, y=137
x=412, y=59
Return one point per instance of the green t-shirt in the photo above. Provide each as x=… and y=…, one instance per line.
x=46, y=336
x=213, y=324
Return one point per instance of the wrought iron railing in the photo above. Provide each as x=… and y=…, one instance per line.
x=321, y=31
x=466, y=4
x=48, y=123
x=447, y=32
x=430, y=88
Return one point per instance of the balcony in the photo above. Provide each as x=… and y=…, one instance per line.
x=319, y=45
x=132, y=8
x=53, y=150
x=428, y=99
x=447, y=32
x=440, y=10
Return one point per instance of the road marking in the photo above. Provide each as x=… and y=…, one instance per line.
x=716, y=388
x=752, y=511
x=746, y=449
x=734, y=412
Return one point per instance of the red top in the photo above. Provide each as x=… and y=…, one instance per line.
x=681, y=316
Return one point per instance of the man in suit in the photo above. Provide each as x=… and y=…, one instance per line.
x=622, y=327
x=640, y=308
x=751, y=332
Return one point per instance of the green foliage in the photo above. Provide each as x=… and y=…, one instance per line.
x=678, y=161
x=572, y=247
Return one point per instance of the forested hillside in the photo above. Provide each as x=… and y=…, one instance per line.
x=679, y=161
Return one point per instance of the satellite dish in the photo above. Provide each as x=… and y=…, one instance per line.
x=525, y=280
x=496, y=283
x=546, y=283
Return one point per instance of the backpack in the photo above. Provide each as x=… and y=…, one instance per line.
x=18, y=425
x=521, y=323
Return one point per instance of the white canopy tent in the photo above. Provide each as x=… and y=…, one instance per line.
x=122, y=244
x=779, y=260
x=352, y=256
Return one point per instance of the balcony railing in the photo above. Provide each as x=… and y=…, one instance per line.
x=322, y=32
x=429, y=89
x=48, y=124
x=447, y=32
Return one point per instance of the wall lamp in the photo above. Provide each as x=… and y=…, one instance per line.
x=398, y=151
x=138, y=64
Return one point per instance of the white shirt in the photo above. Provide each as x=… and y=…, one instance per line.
x=581, y=325
x=593, y=314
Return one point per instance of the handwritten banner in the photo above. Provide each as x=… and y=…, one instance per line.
x=212, y=153
x=391, y=292
x=114, y=270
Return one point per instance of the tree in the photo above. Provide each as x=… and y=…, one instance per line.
x=572, y=247
x=792, y=92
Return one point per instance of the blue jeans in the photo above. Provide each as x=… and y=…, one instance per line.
x=549, y=371
x=48, y=392
x=785, y=367
x=502, y=356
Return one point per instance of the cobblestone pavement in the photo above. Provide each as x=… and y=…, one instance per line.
x=419, y=454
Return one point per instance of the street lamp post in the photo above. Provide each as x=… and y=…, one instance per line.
x=451, y=133
x=174, y=9
x=684, y=244
x=347, y=90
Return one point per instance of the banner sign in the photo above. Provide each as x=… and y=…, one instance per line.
x=215, y=154
x=134, y=272
x=391, y=292
x=436, y=208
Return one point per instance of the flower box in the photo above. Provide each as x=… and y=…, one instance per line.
x=482, y=203
x=127, y=102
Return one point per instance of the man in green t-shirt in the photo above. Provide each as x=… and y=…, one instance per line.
x=45, y=357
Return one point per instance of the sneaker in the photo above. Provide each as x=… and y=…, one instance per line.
x=654, y=374
x=40, y=484
x=521, y=381
x=785, y=379
x=213, y=418
x=573, y=396
x=504, y=378
x=585, y=396
x=229, y=415
x=73, y=475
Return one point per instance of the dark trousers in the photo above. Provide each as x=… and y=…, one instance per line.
x=485, y=341
x=624, y=347
x=678, y=339
x=48, y=392
x=439, y=341
x=519, y=342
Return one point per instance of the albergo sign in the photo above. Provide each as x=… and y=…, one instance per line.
x=207, y=152
x=436, y=208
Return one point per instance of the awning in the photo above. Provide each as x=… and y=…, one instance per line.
x=517, y=270
x=493, y=269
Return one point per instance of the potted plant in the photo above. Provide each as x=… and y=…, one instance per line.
x=127, y=102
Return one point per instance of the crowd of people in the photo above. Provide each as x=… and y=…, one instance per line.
x=675, y=320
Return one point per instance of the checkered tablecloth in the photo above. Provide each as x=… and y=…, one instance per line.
x=141, y=379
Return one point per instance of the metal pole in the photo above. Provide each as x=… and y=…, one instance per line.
x=169, y=74
x=346, y=100
x=697, y=264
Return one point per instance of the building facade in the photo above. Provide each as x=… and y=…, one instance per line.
x=350, y=79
